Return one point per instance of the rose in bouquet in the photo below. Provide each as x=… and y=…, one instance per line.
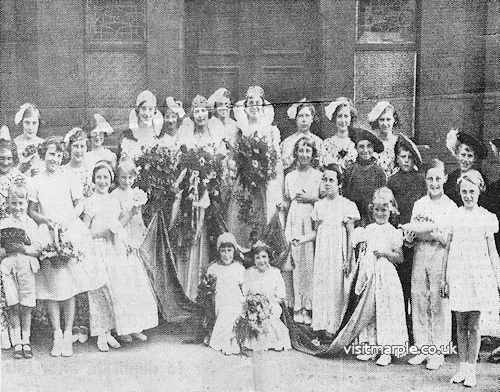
x=256, y=161
x=61, y=251
x=254, y=319
x=28, y=153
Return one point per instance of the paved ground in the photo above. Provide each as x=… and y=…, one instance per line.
x=163, y=363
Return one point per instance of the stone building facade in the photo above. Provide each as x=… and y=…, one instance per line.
x=436, y=60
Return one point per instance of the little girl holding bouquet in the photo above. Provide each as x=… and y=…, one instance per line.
x=228, y=274
x=260, y=328
x=142, y=311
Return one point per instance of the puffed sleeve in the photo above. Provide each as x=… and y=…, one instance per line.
x=358, y=235
x=397, y=239
x=490, y=224
x=350, y=211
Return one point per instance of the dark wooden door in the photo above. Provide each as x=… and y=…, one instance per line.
x=272, y=43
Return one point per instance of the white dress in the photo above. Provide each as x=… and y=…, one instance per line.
x=139, y=311
x=389, y=326
x=228, y=305
x=270, y=284
x=55, y=194
x=330, y=287
x=299, y=223
x=471, y=277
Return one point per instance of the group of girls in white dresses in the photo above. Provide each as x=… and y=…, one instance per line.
x=337, y=213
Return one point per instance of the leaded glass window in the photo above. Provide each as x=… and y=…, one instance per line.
x=386, y=21
x=116, y=21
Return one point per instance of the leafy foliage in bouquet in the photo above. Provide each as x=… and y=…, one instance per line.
x=157, y=172
x=60, y=251
x=254, y=318
x=206, y=299
x=201, y=170
x=256, y=165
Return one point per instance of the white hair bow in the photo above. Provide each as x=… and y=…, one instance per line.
x=20, y=113
x=102, y=125
x=70, y=133
x=175, y=106
x=378, y=109
x=4, y=133
x=330, y=109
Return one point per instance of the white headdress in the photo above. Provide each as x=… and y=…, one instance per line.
x=378, y=109
x=4, y=133
x=20, y=113
x=239, y=109
x=292, y=110
x=70, y=133
x=175, y=106
x=148, y=98
x=330, y=109
x=217, y=96
x=102, y=125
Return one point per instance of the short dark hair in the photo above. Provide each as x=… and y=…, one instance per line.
x=336, y=168
x=51, y=140
x=309, y=142
x=10, y=145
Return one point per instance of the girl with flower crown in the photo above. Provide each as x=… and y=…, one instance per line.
x=340, y=149
x=142, y=312
x=254, y=117
x=28, y=120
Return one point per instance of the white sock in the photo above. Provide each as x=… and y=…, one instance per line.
x=15, y=336
x=26, y=337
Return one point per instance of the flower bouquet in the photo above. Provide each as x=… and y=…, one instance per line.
x=254, y=319
x=60, y=251
x=420, y=224
x=256, y=161
x=206, y=299
x=29, y=152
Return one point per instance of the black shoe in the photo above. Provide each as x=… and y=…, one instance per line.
x=27, y=351
x=18, y=351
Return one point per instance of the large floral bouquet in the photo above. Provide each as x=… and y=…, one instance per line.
x=201, y=175
x=256, y=161
x=206, y=299
x=254, y=319
x=60, y=251
x=157, y=173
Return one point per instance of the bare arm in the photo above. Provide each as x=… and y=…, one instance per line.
x=443, y=290
x=495, y=260
x=306, y=238
x=38, y=217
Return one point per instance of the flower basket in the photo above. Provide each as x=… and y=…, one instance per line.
x=60, y=252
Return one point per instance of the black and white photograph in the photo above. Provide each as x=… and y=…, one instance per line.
x=249, y=195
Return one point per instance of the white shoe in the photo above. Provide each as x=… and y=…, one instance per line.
x=384, y=360
x=470, y=376
x=298, y=317
x=102, y=343
x=460, y=375
x=139, y=336
x=435, y=362
x=83, y=334
x=307, y=318
x=365, y=357
x=67, y=344
x=58, y=344
x=418, y=359
x=113, y=343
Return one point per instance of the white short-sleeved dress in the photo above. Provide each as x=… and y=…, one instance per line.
x=471, y=277
x=270, y=284
x=330, y=291
x=228, y=305
x=389, y=326
x=55, y=193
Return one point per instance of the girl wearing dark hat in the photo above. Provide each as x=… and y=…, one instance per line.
x=365, y=175
x=468, y=151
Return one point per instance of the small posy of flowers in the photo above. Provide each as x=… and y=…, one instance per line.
x=420, y=218
x=254, y=319
x=30, y=151
x=139, y=197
